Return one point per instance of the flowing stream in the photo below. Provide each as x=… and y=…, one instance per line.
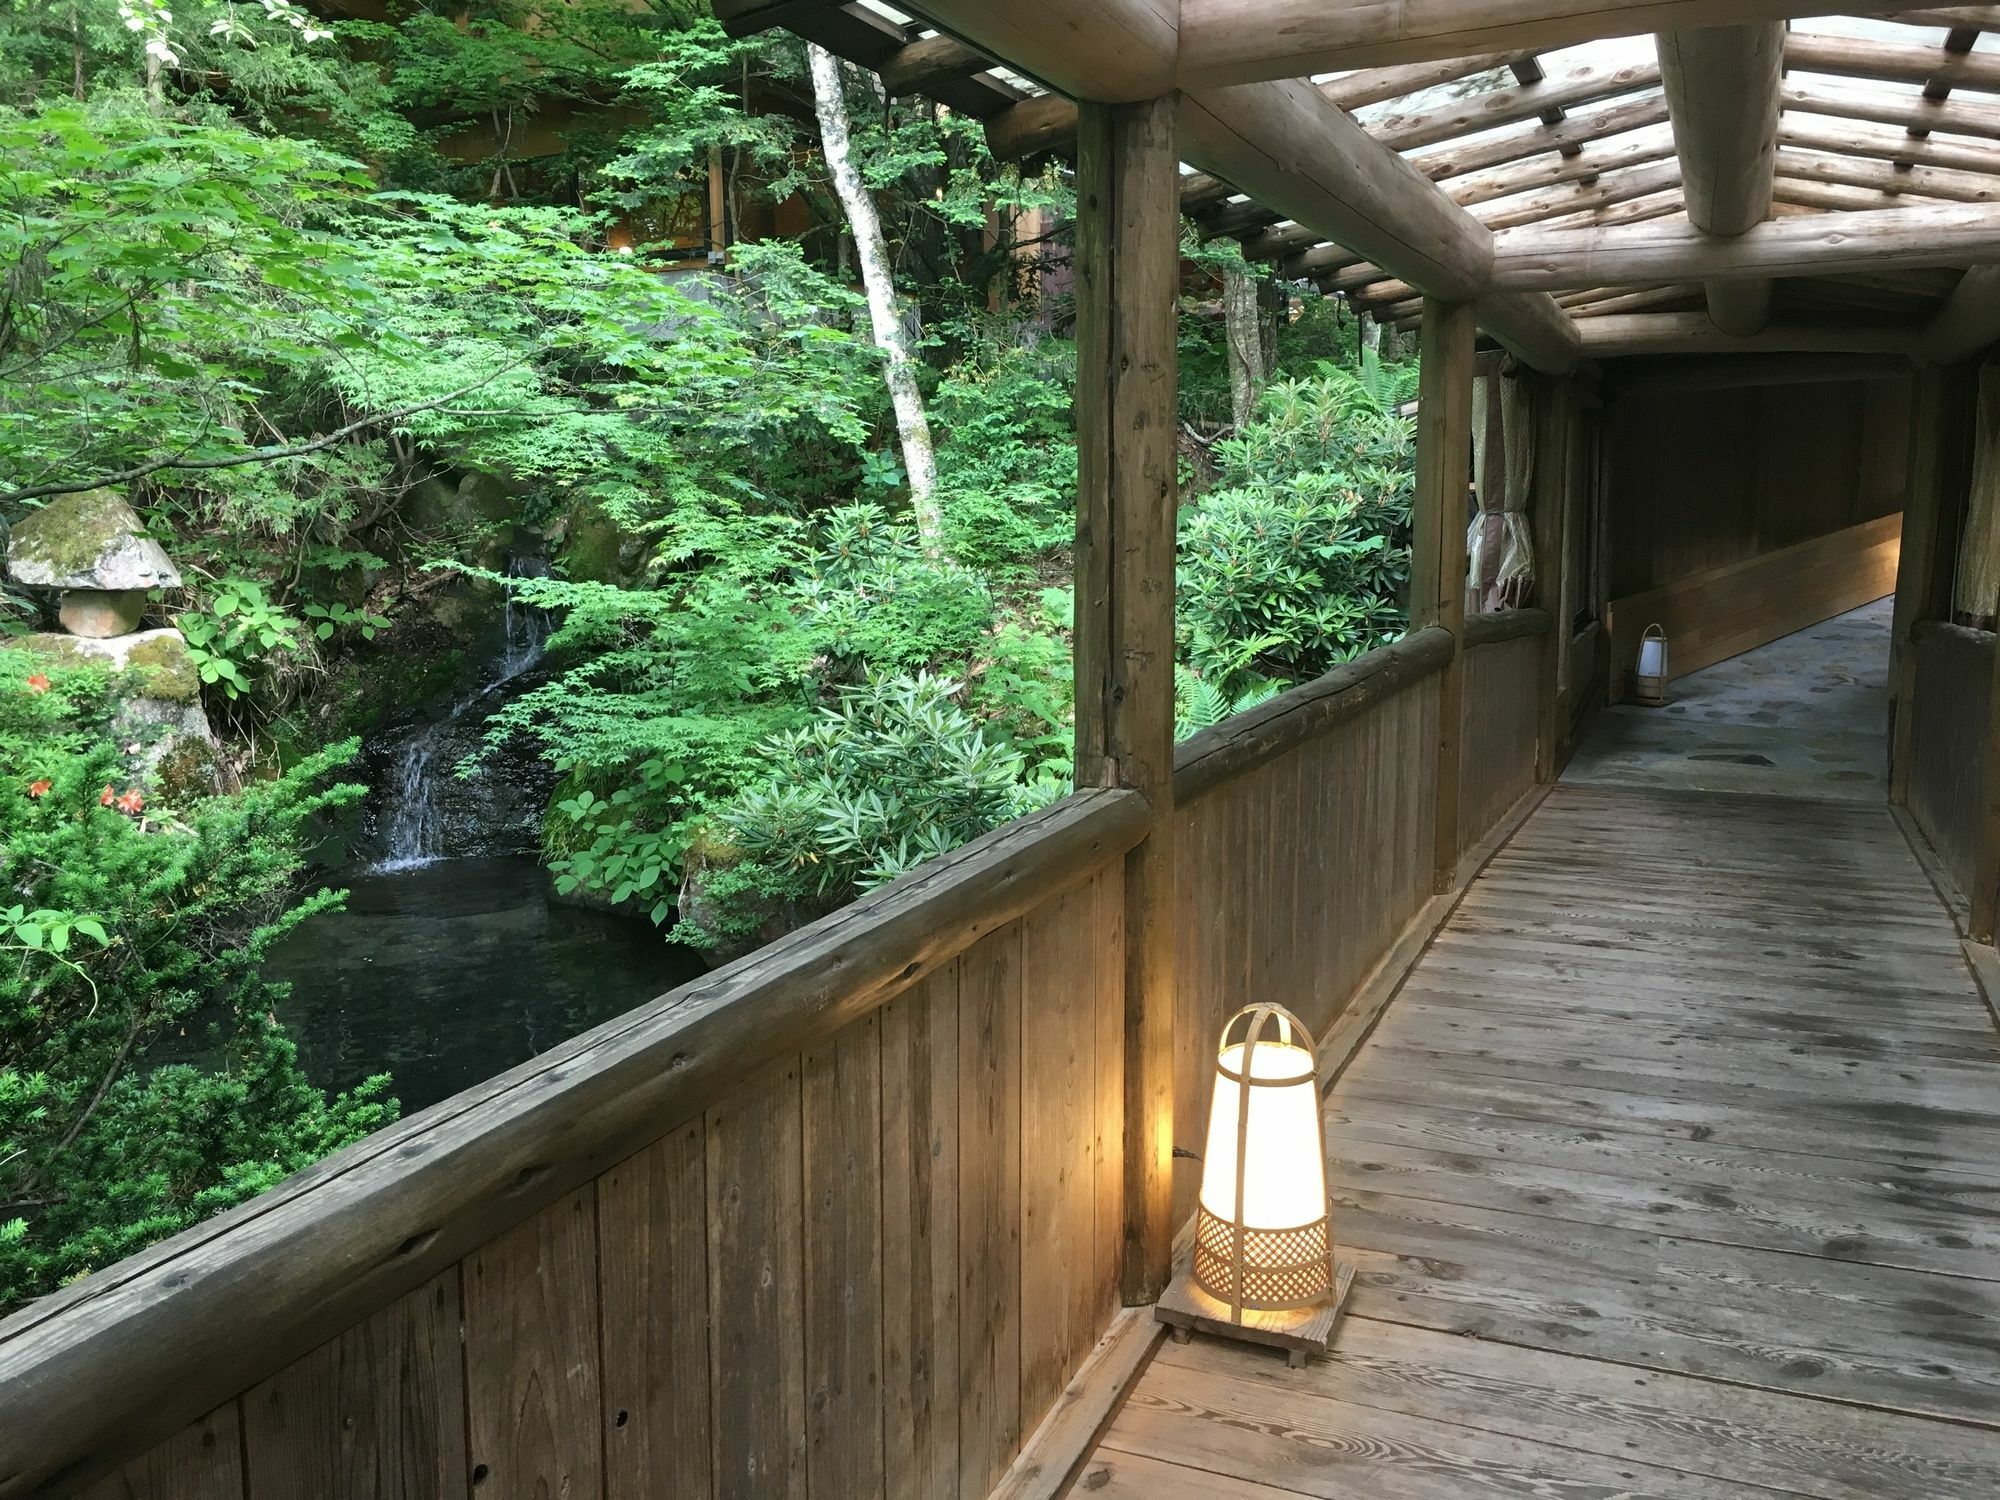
x=452, y=961
x=415, y=829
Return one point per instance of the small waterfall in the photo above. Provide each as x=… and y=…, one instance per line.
x=413, y=831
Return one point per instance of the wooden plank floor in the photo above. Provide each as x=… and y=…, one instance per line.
x=1674, y=1170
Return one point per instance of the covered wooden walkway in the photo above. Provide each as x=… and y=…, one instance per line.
x=1674, y=1169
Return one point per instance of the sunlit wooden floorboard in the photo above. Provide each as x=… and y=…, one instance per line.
x=1673, y=1170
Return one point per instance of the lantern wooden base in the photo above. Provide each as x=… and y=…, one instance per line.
x=1301, y=1332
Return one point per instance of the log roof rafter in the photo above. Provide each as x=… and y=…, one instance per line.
x=1518, y=138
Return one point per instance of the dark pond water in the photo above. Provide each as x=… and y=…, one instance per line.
x=447, y=973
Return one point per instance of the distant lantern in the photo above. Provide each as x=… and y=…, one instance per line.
x=1649, y=680
x=1264, y=1266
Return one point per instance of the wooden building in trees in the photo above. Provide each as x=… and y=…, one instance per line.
x=1666, y=1138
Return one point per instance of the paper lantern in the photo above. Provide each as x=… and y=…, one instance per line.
x=1649, y=679
x=1263, y=1236
x=1264, y=1266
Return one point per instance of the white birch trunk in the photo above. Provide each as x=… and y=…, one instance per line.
x=1243, y=325
x=899, y=367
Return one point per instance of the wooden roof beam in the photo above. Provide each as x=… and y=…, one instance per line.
x=929, y=60
x=1721, y=85
x=1793, y=196
x=1551, y=170
x=1909, y=149
x=1888, y=62
x=1576, y=86
x=1457, y=158
x=1049, y=121
x=1046, y=122
x=1242, y=41
x=1953, y=116
x=1811, y=245
x=1283, y=143
x=1340, y=270
x=1971, y=17
x=1624, y=334
x=1886, y=177
x=1114, y=51
x=1604, y=305
x=1609, y=189
x=1378, y=85
x=1530, y=71
x=1289, y=147
x=1450, y=163
x=1647, y=206
x=1958, y=41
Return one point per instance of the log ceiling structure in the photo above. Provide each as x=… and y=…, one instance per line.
x=1742, y=159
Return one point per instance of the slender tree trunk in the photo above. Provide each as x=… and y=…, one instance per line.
x=76, y=53
x=899, y=367
x=1243, y=320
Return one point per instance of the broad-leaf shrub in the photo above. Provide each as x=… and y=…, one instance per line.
x=144, y=1083
x=670, y=692
x=898, y=773
x=1300, y=560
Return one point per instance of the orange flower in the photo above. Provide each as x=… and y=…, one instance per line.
x=38, y=682
x=106, y=797
x=131, y=802
x=39, y=788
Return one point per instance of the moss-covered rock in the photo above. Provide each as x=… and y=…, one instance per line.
x=166, y=667
x=186, y=770
x=155, y=704
x=596, y=549
x=92, y=540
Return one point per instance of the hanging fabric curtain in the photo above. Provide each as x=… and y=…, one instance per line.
x=1515, y=582
x=1500, y=550
x=1975, y=595
x=1483, y=538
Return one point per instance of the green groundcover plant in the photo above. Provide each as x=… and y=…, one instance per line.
x=145, y=1082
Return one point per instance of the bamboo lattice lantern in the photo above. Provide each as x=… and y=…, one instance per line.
x=1264, y=1266
x=1649, y=679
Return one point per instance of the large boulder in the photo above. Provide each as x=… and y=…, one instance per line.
x=157, y=715
x=91, y=545
x=92, y=540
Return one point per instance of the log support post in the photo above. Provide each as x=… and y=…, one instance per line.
x=1438, y=519
x=1127, y=276
x=1555, y=421
x=1924, y=567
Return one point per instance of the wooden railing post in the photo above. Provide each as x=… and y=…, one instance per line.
x=1923, y=568
x=1127, y=392
x=1438, y=519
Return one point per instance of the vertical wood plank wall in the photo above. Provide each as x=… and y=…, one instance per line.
x=871, y=1271
x=1953, y=688
x=867, y=1274
x=1293, y=880
x=1500, y=729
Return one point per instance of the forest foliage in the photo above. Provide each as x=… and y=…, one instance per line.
x=284, y=281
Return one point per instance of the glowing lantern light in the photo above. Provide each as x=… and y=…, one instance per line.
x=1264, y=1265
x=1650, y=678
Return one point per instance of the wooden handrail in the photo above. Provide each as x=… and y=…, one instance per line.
x=1243, y=742
x=1506, y=625
x=96, y=1372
